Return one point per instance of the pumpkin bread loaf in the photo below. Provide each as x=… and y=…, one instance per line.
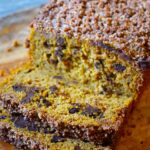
x=85, y=70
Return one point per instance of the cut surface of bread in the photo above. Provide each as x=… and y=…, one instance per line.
x=91, y=111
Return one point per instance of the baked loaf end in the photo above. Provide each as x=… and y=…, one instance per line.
x=124, y=25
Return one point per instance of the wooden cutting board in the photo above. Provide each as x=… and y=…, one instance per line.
x=137, y=129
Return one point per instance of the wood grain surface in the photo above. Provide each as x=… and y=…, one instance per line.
x=137, y=129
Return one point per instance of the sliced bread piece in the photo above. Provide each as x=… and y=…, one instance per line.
x=91, y=111
x=18, y=135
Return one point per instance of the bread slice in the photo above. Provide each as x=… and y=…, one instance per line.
x=16, y=133
x=92, y=111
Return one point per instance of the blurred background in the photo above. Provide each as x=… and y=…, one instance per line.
x=8, y=7
x=15, y=18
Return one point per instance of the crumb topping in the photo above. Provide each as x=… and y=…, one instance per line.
x=124, y=24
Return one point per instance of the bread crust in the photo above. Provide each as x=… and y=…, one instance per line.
x=122, y=24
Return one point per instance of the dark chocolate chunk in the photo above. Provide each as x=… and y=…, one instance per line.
x=58, y=77
x=19, y=88
x=49, y=55
x=27, y=98
x=20, y=144
x=32, y=127
x=110, y=78
x=45, y=102
x=144, y=64
x=102, y=45
x=14, y=116
x=74, y=110
x=119, y=67
x=61, y=41
x=59, y=53
x=3, y=117
x=92, y=111
x=49, y=130
x=85, y=140
x=106, y=90
x=53, y=61
x=99, y=64
x=111, y=75
x=53, y=89
x=77, y=147
x=56, y=139
x=59, y=48
x=29, y=95
x=29, y=70
x=107, y=141
x=20, y=122
x=75, y=51
x=47, y=44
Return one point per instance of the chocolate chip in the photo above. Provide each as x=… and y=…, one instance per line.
x=29, y=95
x=74, y=110
x=32, y=127
x=20, y=144
x=49, y=55
x=45, y=102
x=18, y=88
x=85, y=140
x=101, y=115
x=3, y=117
x=14, y=116
x=111, y=77
x=61, y=41
x=47, y=44
x=99, y=64
x=56, y=139
x=75, y=51
x=92, y=111
x=58, y=77
x=53, y=89
x=59, y=53
x=101, y=44
x=29, y=70
x=144, y=64
x=59, y=48
x=20, y=122
x=106, y=90
x=53, y=61
x=119, y=67
x=27, y=98
x=77, y=148
x=49, y=130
